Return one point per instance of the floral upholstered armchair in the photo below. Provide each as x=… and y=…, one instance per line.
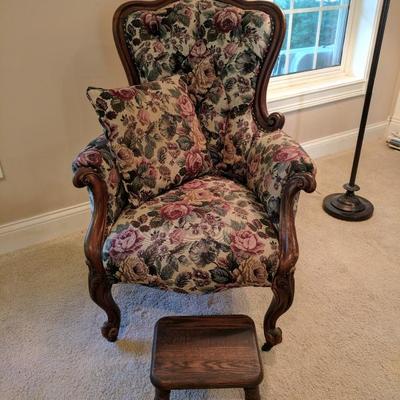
x=226, y=219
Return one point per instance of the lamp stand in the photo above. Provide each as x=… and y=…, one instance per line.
x=349, y=206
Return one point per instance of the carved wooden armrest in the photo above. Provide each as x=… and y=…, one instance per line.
x=288, y=246
x=278, y=168
x=95, y=168
x=94, y=239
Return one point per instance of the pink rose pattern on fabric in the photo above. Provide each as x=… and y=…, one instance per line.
x=151, y=22
x=113, y=178
x=196, y=184
x=177, y=236
x=227, y=19
x=124, y=94
x=175, y=210
x=199, y=50
x=186, y=106
x=124, y=243
x=246, y=242
x=144, y=117
x=288, y=154
x=90, y=158
x=194, y=162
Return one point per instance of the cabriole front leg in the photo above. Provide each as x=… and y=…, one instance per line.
x=283, y=282
x=99, y=284
x=100, y=292
x=283, y=288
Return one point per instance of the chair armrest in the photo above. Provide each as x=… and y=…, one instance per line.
x=95, y=168
x=278, y=168
x=98, y=157
x=272, y=160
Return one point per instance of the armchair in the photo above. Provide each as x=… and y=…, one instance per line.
x=234, y=227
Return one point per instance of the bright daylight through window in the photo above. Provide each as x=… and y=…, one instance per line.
x=314, y=35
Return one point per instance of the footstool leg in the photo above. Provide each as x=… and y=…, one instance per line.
x=162, y=394
x=252, y=393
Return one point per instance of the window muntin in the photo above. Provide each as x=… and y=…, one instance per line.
x=314, y=36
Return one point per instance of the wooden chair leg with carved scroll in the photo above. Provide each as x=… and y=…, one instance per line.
x=99, y=284
x=283, y=282
x=100, y=292
x=283, y=288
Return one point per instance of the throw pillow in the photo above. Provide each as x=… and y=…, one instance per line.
x=154, y=134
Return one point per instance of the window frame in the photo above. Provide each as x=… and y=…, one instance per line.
x=301, y=90
x=292, y=11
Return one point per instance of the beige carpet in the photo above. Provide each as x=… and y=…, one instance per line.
x=341, y=337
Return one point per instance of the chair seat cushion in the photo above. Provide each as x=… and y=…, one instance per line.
x=209, y=234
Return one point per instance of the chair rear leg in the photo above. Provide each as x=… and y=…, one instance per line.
x=100, y=292
x=283, y=288
x=162, y=394
x=252, y=393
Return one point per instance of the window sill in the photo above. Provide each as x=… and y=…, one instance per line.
x=287, y=94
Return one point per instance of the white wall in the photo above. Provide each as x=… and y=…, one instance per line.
x=51, y=50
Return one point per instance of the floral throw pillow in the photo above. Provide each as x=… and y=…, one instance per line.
x=154, y=134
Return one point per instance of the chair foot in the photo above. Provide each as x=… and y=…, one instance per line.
x=272, y=337
x=110, y=331
x=162, y=394
x=283, y=288
x=252, y=393
x=100, y=292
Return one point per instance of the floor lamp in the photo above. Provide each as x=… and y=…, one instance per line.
x=348, y=206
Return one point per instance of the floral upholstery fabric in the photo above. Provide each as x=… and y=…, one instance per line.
x=98, y=156
x=272, y=160
x=155, y=135
x=219, y=49
x=212, y=232
x=207, y=235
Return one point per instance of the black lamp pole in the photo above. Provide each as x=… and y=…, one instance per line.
x=349, y=206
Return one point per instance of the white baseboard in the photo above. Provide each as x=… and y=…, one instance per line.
x=339, y=142
x=41, y=228
x=394, y=126
x=44, y=227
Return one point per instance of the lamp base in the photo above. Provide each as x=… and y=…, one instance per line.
x=348, y=206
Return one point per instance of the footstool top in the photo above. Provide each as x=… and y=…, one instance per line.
x=205, y=352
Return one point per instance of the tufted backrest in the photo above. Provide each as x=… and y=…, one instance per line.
x=225, y=51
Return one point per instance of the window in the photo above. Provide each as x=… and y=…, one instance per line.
x=314, y=36
x=326, y=53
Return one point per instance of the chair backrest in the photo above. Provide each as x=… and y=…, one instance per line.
x=225, y=49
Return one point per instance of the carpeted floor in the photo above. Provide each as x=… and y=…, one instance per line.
x=341, y=336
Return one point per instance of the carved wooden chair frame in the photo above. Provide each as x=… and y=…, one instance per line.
x=283, y=281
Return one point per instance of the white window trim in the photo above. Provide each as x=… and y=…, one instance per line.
x=309, y=89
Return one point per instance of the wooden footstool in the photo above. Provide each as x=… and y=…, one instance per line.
x=206, y=353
